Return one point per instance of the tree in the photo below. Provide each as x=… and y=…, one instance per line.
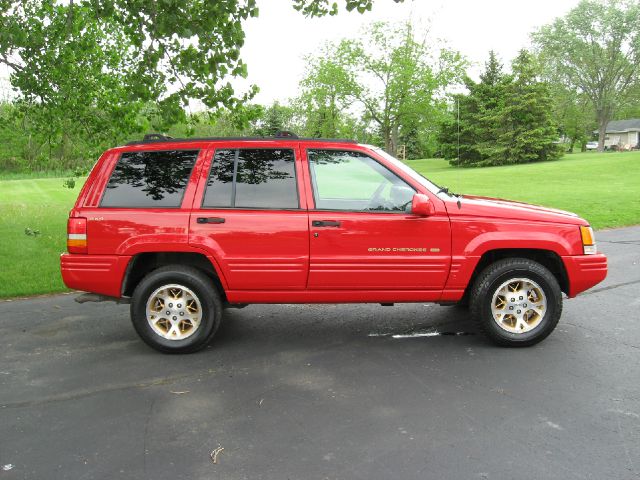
x=318, y=8
x=274, y=119
x=398, y=82
x=595, y=49
x=528, y=132
x=326, y=93
x=92, y=68
x=572, y=114
x=504, y=119
x=469, y=136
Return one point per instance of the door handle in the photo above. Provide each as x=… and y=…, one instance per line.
x=210, y=220
x=325, y=223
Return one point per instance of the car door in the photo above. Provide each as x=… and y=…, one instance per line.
x=248, y=216
x=362, y=232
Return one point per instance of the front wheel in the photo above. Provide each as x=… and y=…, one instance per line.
x=176, y=309
x=516, y=302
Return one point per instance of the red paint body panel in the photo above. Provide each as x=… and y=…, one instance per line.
x=279, y=256
x=584, y=271
x=373, y=251
x=255, y=249
x=101, y=274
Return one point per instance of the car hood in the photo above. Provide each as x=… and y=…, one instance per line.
x=509, y=209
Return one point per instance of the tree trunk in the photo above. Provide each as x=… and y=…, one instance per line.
x=602, y=115
x=394, y=140
x=386, y=136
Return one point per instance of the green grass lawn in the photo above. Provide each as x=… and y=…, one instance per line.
x=29, y=263
x=603, y=188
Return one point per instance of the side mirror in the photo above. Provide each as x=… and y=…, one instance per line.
x=422, y=206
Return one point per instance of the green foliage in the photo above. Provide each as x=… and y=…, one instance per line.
x=595, y=51
x=528, y=133
x=573, y=116
x=326, y=94
x=505, y=119
x=89, y=70
x=398, y=82
x=276, y=118
x=318, y=8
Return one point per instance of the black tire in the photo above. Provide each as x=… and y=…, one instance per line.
x=488, y=283
x=205, y=293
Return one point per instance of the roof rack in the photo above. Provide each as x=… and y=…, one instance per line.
x=281, y=135
x=285, y=134
x=155, y=136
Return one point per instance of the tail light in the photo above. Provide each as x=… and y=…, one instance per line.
x=77, y=235
x=588, y=240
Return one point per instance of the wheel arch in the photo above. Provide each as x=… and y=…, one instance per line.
x=547, y=258
x=142, y=264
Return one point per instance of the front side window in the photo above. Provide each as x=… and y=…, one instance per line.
x=252, y=178
x=353, y=181
x=155, y=179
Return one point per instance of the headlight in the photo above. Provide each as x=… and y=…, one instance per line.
x=588, y=240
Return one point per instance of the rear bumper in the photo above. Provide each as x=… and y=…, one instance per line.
x=584, y=271
x=94, y=273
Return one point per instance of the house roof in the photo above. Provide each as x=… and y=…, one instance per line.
x=632, y=124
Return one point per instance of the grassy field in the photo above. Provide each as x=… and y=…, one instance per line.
x=29, y=263
x=603, y=188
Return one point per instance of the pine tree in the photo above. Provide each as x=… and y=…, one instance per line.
x=504, y=119
x=529, y=134
x=474, y=136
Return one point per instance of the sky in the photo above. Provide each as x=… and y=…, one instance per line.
x=280, y=37
x=277, y=41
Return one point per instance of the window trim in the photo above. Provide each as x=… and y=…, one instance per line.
x=312, y=175
x=184, y=191
x=235, y=173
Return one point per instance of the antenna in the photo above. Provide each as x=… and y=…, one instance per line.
x=458, y=172
x=458, y=106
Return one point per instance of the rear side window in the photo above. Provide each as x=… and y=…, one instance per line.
x=150, y=179
x=252, y=178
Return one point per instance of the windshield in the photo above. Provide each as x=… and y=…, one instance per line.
x=418, y=177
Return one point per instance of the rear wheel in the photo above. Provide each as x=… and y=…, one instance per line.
x=176, y=309
x=516, y=302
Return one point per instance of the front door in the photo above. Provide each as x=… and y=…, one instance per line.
x=249, y=217
x=363, y=235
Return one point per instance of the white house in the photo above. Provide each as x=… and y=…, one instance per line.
x=623, y=134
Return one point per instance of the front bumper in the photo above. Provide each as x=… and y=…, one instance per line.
x=101, y=274
x=584, y=271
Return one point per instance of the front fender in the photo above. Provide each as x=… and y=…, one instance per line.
x=473, y=238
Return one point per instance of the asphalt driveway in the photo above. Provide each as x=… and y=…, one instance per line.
x=326, y=392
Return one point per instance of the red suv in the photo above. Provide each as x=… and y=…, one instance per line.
x=184, y=228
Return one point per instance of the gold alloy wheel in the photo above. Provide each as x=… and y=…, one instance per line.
x=174, y=312
x=518, y=305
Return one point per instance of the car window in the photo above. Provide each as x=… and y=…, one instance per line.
x=155, y=179
x=252, y=178
x=353, y=181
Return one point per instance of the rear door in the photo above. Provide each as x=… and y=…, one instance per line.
x=363, y=235
x=249, y=215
